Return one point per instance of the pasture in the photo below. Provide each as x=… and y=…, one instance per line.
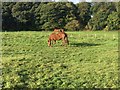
x=90, y=61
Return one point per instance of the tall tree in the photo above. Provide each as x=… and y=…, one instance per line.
x=22, y=11
x=57, y=13
x=8, y=21
x=100, y=12
x=84, y=13
x=113, y=21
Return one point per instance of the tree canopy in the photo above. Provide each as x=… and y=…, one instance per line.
x=17, y=16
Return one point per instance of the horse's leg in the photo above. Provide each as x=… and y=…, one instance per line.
x=63, y=41
x=49, y=43
x=54, y=41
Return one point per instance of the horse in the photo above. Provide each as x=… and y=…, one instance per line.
x=58, y=30
x=58, y=34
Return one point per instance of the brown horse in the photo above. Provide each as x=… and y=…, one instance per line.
x=58, y=34
x=58, y=30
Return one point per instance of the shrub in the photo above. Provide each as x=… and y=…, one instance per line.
x=49, y=26
x=73, y=25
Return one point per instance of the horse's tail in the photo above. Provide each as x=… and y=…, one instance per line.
x=67, y=40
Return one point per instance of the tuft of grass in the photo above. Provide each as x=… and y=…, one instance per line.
x=90, y=61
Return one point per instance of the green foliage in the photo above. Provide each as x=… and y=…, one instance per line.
x=100, y=12
x=84, y=13
x=48, y=26
x=8, y=22
x=38, y=15
x=74, y=25
x=107, y=7
x=113, y=21
x=23, y=12
x=51, y=12
x=106, y=28
x=98, y=22
x=71, y=12
x=59, y=13
x=88, y=62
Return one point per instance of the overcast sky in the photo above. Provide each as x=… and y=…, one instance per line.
x=76, y=1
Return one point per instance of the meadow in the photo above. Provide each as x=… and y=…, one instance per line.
x=89, y=61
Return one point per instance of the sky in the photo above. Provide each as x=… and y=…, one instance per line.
x=76, y=1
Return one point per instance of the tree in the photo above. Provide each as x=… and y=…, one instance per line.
x=71, y=12
x=100, y=12
x=57, y=13
x=98, y=22
x=113, y=21
x=24, y=14
x=9, y=23
x=48, y=26
x=84, y=13
x=74, y=25
x=46, y=15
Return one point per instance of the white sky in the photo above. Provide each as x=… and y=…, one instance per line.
x=76, y=1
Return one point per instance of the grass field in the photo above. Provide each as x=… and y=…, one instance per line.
x=90, y=61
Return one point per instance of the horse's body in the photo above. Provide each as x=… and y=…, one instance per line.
x=58, y=34
x=58, y=30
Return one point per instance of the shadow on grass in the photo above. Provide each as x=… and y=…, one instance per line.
x=83, y=44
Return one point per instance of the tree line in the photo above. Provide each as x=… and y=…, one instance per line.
x=45, y=16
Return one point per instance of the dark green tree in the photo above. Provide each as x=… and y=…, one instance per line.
x=45, y=13
x=100, y=12
x=74, y=25
x=113, y=21
x=9, y=23
x=84, y=13
x=71, y=12
x=48, y=15
x=23, y=12
x=56, y=13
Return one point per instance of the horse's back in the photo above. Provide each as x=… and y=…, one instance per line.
x=54, y=36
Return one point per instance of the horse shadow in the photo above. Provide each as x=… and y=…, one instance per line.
x=83, y=44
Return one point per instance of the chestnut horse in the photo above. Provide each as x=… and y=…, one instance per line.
x=58, y=30
x=58, y=34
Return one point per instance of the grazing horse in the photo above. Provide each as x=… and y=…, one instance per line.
x=58, y=30
x=58, y=34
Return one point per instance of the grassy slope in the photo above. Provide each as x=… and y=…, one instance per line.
x=89, y=60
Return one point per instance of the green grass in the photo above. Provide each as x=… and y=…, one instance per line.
x=90, y=61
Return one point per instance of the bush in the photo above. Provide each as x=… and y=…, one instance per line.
x=49, y=26
x=113, y=21
x=73, y=25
